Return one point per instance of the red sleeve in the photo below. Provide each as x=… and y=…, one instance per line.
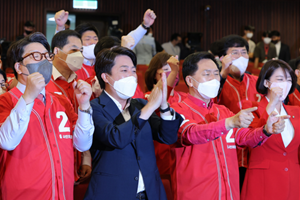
x=6, y=105
x=197, y=132
x=254, y=135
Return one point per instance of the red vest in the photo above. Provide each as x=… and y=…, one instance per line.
x=204, y=171
x=41, y=166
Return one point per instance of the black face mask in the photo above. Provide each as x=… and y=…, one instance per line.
x=275, y=41
x=44, y=67
x=28, y=32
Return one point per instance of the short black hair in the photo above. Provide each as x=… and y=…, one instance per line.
x=106, y=42
x=249, y=28
x=266, y=34
x=233, y=41
x=189, y=66
x=81, y=28
x=175, y=36
x=274, y=33
x=68, y=22
x=29, y=24
x=3, y=74
x=16, y=50
x=216, y=48
x=105, y=61
x=267, y=71
x=60, y=39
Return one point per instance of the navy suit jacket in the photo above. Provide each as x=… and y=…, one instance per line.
x=121, y=148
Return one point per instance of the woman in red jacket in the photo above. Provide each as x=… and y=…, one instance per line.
x=273, y=171
x=163, y=62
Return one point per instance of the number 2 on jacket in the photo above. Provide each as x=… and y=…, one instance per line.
x=62, y=126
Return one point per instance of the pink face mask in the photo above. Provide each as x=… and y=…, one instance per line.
x=285, y=86
x=176, y=79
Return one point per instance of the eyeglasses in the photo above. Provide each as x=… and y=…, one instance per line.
x=37, y=56
x=236, y=53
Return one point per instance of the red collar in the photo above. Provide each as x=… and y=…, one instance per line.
x=199, y=102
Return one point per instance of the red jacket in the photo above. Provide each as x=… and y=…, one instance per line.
x=232, y=96
x=294, y=98
x=273, y=171
x=41, y=166
x=62, y=87
x=205, y=156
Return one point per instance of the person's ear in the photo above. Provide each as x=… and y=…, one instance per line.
x=17, y=68
x=189, y=81
x=104, y=77
x=55, y=50
x=267, y=83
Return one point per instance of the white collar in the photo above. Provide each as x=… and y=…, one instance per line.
x=57, y=75
x=118, y=103
x=22, y=88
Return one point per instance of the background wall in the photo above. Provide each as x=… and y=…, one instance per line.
x=182, y=16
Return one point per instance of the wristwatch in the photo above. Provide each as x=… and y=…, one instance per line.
x=144, y=26
x=266, y=133
x=89, y=110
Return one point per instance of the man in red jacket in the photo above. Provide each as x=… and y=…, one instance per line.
x=205, y=154
x=237, y=86
x=67, y=47
x=38, y=129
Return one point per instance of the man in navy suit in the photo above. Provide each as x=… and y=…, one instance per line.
x=124, y=164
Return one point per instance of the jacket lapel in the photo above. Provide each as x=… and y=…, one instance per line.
x=111, y=108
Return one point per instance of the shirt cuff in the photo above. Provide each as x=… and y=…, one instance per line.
x=23, y=109
x=85, y=119
x=86, y=158
x=56, y=31
x=168, y=115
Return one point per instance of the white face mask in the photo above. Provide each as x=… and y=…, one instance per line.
x=249, y=35
x=125, y=87
x=150, y=34
x=2, y=91
x=208, y=89
x=88, y=52
x=267, y=40
x=74, y=60
x=285, y=86
x=241, y=63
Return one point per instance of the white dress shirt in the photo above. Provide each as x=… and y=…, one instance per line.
x=287, y=134
x=15, y=126
x=126, y=114
x=278, y=46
